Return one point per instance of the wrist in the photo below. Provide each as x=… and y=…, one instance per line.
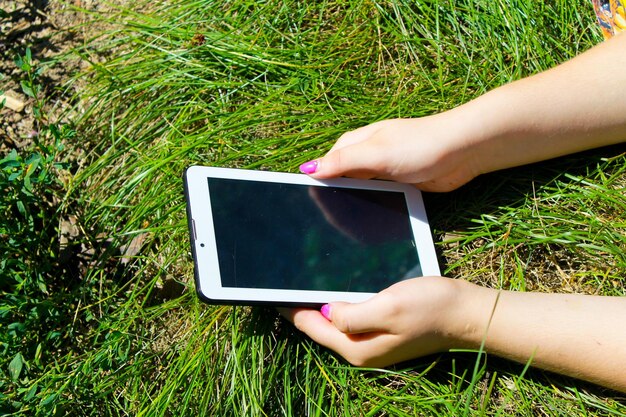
x=469, y=315
x=470, y=129
x=484, y=124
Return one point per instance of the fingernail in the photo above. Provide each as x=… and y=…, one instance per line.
x=309, y=167
x=325, y=310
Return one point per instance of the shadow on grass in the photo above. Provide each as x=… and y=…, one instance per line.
x=488, y=194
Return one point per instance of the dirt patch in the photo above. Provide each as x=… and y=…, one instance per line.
x=51, y=29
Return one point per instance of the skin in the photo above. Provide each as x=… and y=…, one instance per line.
x=578, y=105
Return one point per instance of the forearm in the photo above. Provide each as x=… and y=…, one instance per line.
x=577, y=335
x=578, y=105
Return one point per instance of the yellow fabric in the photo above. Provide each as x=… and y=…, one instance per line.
x=611, y=16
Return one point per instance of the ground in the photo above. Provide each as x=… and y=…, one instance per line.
x=50, y=29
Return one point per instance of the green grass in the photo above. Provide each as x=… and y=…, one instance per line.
x=269, y=85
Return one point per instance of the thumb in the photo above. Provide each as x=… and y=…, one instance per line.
x=355, y=318
x=361, y=160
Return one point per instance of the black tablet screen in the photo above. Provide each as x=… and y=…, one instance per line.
x=287, y=236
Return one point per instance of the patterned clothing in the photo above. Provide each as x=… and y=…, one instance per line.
x=611, y=16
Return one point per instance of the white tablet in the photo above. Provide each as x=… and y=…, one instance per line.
x=288, y=239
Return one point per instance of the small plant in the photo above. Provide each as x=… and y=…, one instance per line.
x=29, y=83
x=29, y=261
x=29, y=181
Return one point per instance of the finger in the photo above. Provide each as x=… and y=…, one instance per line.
x=360, y=160
x=369, y=316
x=330, y=165
x=289, y=313
x=366, y=349
x=317, y=327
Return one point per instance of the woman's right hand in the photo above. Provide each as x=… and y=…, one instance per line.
x=410, y=319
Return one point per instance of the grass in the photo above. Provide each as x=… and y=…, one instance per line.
x=269, y=85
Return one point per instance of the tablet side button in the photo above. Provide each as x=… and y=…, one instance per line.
x=193, y=227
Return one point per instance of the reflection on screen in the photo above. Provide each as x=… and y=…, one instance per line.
x=287, y=236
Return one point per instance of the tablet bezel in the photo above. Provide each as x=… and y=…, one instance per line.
x=204, y=245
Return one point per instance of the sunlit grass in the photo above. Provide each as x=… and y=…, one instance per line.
x=269, y=86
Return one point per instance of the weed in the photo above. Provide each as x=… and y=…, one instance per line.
x=30, y=267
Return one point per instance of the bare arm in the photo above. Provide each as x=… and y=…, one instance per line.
x=576, y=335
x=575, y=106
x=578, y=105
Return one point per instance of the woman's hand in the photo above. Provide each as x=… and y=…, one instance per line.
x=431, y=152
x=410, y=319
x=567, y=109
x=572, y=334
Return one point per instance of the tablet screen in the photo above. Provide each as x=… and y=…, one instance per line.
x=308, y=237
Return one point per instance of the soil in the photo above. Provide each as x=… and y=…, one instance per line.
x=51, y=29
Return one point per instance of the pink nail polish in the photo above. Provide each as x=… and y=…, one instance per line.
x=325, y=310
x=309, y=167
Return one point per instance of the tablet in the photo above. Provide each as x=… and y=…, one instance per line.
x=261, y=237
